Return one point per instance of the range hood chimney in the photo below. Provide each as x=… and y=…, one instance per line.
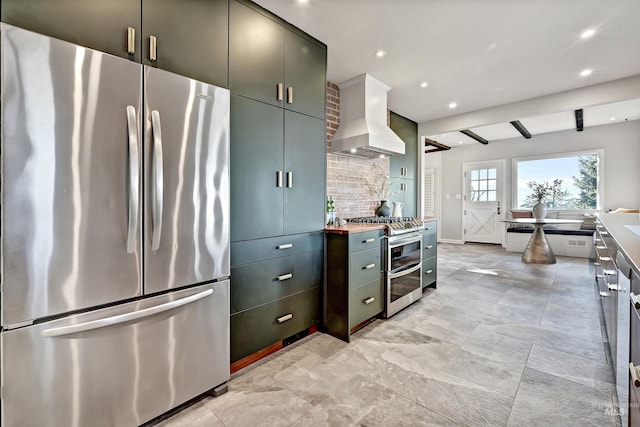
x=363, y=130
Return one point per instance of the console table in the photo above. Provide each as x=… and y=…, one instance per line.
x=538, y=250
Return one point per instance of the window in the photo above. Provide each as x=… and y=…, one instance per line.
x=483, y=185
x=573, y=180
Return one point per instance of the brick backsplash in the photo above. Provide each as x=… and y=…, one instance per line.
x=344, y=174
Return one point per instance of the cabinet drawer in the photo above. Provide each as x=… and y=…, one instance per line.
x=364, y=267
x=429, y=246
x=361, y=305
x=429, y=271
x=363, y=241
x=255, y=329
x=274, y=247
x=262, y=282
x=430, y=228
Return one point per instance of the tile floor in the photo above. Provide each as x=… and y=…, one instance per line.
x=499, y=343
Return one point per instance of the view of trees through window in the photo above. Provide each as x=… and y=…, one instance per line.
x=567, y=182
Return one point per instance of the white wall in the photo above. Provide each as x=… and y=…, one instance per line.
x=621, y=144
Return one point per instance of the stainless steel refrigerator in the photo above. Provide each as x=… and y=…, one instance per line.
x=114, y=236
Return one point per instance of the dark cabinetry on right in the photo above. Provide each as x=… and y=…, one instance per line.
x=404, y=169
x=429, y=254
x=190, y=36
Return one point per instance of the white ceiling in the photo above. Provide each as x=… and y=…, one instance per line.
x=477, y=53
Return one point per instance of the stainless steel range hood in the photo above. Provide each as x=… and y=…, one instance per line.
x=363, y=130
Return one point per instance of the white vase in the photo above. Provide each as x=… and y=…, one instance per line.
x=539, y=210
x=397, y=209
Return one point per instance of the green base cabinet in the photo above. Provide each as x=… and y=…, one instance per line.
x=275, y=290
x=353, y=286
x=429, y=254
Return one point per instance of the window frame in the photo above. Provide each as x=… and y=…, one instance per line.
x=597, y=151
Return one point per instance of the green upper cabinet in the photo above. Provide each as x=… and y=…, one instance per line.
x=271, y=63
x=406, y=166
x=96, y=24
x=277, y=171
x=191, y=38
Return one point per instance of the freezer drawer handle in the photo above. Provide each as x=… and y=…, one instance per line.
x=131, y=40
x=285, y=277
x=369, y=300
x=284, y=318
x=157, y=181
x=132, y=219
x=122, y=318
x=285, y=246
x=635, y=300
x=633, y=370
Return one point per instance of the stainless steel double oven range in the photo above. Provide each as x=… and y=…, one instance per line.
x=402, y=250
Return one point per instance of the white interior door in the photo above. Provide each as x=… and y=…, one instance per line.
x=483, y=201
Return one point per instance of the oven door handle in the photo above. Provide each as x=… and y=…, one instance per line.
x=406, y=241
x=405, y=271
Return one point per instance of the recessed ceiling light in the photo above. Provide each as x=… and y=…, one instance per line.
x=459, y=142
x=381, y=156
x=452, y=105
x=612, y=118
x=353, y=150
x=424, y=84
x=587, y=33
x=380, y=53
x=585, y=73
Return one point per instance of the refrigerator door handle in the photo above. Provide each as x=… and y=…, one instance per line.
x=157, y=181
x=122, y=318
x=134, y=181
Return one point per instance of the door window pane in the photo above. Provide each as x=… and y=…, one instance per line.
x=483, y=180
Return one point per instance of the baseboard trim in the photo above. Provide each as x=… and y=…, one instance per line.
x=455, y=242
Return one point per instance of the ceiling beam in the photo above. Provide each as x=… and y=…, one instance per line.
x=579, y=120
x=520, y=128
x=438, y=146
x=472, y=135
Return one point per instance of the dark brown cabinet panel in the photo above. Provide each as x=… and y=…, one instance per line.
x=191, y=38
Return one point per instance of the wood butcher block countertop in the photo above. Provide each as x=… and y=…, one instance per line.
x=623, y=227
x=353, y=228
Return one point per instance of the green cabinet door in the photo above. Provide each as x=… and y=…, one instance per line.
x=404, y=191
x=191, y=38
x=256, y=163
x=256, y=54
x=304, y=173
x=95, y=24
x=404, y=166
x=305, y=75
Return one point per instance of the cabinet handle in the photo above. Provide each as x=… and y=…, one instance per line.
x=604, y=233
x=604, y=294
x=599, y=276
x=131, y=40
x=285, y=277
x=428, y=272
x=279, y=179
x=609, y=272
x=368, y=266
x=601, y=247
x=369, y=240
x=289, y=179
x=290, y=95
x=597, y=240
x=280, y=91
x=604, y=258
x=284, y=318
x=369, y=300
x=153, y=49
x=633, y=370
x=612, y=286
x=428, y=246
x=635, y=300
x=596, y=264
x=285, y=246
